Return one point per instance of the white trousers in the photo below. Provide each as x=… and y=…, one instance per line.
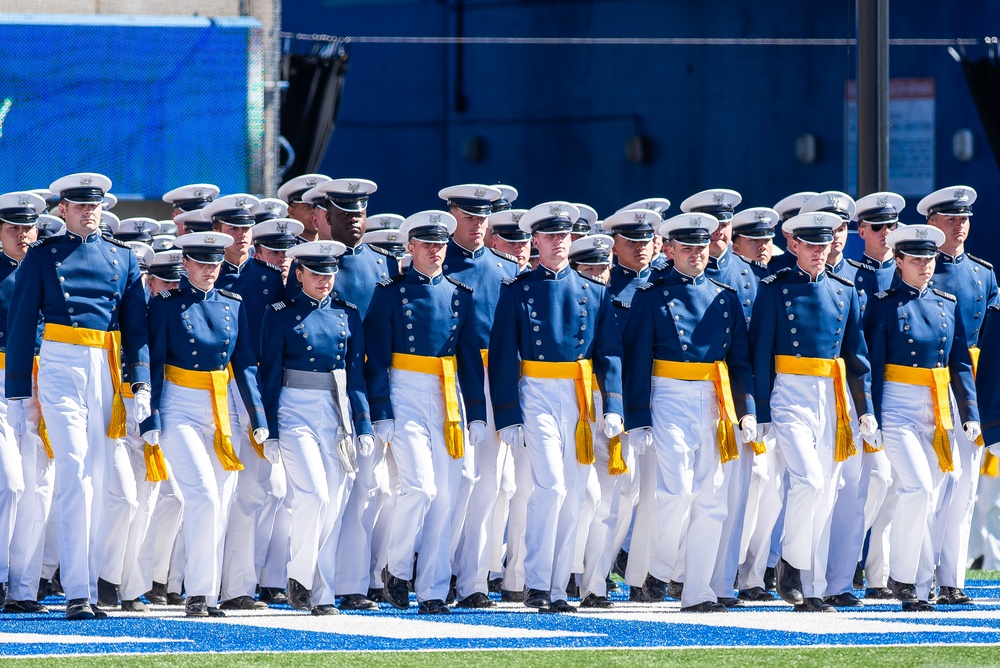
x=985, y=538
x=908, y=436
x=517, y=520
x=165, y=533
x=308, y=424
x=137, y=561
x=804, y=419
x=644, y=523
x=384, y=501
x=764, y=504
x=429, y=480
x=74, y=389
x=187, y=440
x=120, y=506
x=727, y=562
x=955, y=518
x=848, y=521
x=551, y=414
x=12, y=486
x=272, y=546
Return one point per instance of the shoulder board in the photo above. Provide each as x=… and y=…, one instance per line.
x=519, y=277
x=504, y=256
x=620, y=304
x=650, y=285
x=167, y=294
x=345, y=304
x=458, y=283
x=837, y=277
x=389, y=281
x=995, y=307
x=776, y=276
x=979, y=260
x=723, y=285
x=277, y=306
x=267, y=265
x=231, y=295
x=116, y=242
x=46, y=240
x=947, y=295
x=757, y=263
x=381, y=251
x=855, y=263
x=885, y=293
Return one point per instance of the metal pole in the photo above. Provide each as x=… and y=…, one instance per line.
x=873, y=96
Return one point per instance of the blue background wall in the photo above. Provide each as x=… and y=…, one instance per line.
x=554, y=120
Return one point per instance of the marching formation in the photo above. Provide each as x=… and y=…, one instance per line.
x=268, y=401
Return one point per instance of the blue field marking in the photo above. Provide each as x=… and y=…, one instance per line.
x=165, y=630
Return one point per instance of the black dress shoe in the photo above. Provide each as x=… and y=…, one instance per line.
x=621, y=563
x=476, y=600
x=536, y=598
x=357, y=602
x=376, y=596
x=845, y=600
x=598, y=602
x=272, y=596
x=814, y=605
x=158, y=594
x=637, y=595
x=755, y=594
x=731, y=602
x=435, y=606
x=905, y=592
x=24, y=607
x=859, y=577
x=610, y=584
x=135, y=605
x=175, y=599
x=495, y=585
x=44, y=590
x=196, y=606
x=789, y=583
x=452, y=591
x=325, y=609
x=952, y=596
x=654, y=589
x=572, y=588
x=507, y=596
x=215, y=612
x=243, y=603
x=917, y=606
x=675, y=589
x=706, y=606
x=559, y=606
x=79, y=609
x=879, y=593
x=395, y=590
x=98, y=613
x=299, y=597
x=770, y=582
x=107, y=593
x=55, y=585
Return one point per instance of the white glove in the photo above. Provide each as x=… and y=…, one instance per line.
x=613, y=425
x=763, y=429
x=16, y=416
x=366, y=445
x=973, y=430
x=141, y=403
x=512, y=435
x=994, y=449
x=272, y=452
x=748, y=429
x=347, y=452
x=869, y=425
x=152, y=437
x=260, y=434
x=477, y=432
x=384, y=430
x=640, y=439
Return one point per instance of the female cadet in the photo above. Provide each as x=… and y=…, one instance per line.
x=911, y=331
x=200, y=338
x=312, y=382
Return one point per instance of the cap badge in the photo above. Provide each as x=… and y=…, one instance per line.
x=241, y=203
x=921, y=234
x=392, y=236
x=761, y=216
x=959, y=193
x=43, y=224
x=197, y=193
x=353, y=187
x=22, y=201
x=718, y=198
x=480, y=193
x=694, y=221
x=834, y=201
x=210, y=239
x=516, y=217
x=555, y=210
x=326, y=249
x=175, y=257
x=600, y=244
x=140, y=226
x=639, y=217
x=86, y=180
x=311, y=182
x=882, y=201
x=650, y=206
x=819, y=221
x=434, y=218
x=282, y=228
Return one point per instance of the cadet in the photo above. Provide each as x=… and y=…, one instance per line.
x=468, y=261
x=85, y=287
x=317, y=407
x=877, y=216
x=191, y=354
x=687, y=330
x=917, y=346
x=420, y=332
x=382, y=231
x=540, y=384
x=787, y=208
x=189, y=198
x=753, y=232
x=805, y=327
x=26, y=471
x=136, y=229
x=271, y=241
x=269, y=208
x=633, y=233
x=660, y=206
x=973, y=282
x=507, y=237
x=583, y=224
x=293, y=192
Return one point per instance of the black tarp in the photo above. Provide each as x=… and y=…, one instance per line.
x=983, y=77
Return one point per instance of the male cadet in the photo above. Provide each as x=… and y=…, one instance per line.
x=189, y=198
x=553, y=331
x=136, y=229
x=269, y=208
x=87, y=289
x=292, y=191
x=753, y=233
x=193, y=221
x=660, y=206
x=809, y=359
x=507, y=237
x=382, y=232
x=420, y=338
x=273, y=238
x=26, y=472
x=877, y=215
x=469, y=262
x=687, y=358
x=340, y=206
x=633, y=232
x=787, y=208
x=258, y=284
x=973, y=282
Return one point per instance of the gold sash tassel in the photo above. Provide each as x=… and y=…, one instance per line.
x=826, y=368
x=216, y=382
x=991, y=465
x=616, y=463
x=937, y=380
x=581, y=372
x=718, y=373
x=156, y=465
x=43, y=433
x=257, y=447
x=444, y=369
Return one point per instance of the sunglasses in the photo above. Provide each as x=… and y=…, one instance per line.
x=877, y=227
